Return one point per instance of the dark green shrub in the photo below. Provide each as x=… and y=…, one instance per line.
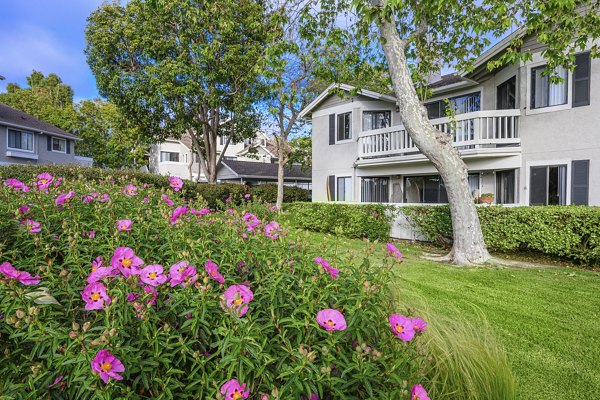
x=571, y=232
x=352, y=220
x=291, y=194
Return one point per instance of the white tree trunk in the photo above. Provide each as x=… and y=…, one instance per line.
x=469, y=246
x=280, y=179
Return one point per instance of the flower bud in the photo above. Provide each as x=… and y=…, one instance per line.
x=20, y=314
x=75, y=326
x=86, y=326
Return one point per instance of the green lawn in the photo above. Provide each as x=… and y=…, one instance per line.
x=546, y=318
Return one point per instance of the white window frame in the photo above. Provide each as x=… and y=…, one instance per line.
x=52, y=139
x=170, y=162
x=548, y=163
x=538, y=61
x=21, y=132
x=351, y=138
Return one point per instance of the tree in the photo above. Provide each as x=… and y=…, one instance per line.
x=182, y=66
x=419, y=37
x=301, y=151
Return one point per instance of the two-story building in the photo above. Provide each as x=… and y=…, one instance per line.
x=525, y=139
x=28, y=140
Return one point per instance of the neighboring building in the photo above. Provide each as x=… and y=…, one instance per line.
x=254, y=173
x=174, y=156
x=27, y=140
x=524, y=139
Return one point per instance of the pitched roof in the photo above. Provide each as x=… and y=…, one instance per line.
x=446, y=80
x=250, y=169
x=20, y=119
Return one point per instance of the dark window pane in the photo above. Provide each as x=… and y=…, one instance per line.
x=505, y=187
x=581, y=80
x=434, y=110
x=376, y=120
x=538, y=195
x=506, y=95
x=375, y=190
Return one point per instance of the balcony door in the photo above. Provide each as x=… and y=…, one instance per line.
x=506, y=95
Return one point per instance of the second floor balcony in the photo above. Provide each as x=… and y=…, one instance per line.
x=484, y=133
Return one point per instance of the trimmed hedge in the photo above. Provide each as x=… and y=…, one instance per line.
x=214, y=195
x=571, y=232
x=352, y=220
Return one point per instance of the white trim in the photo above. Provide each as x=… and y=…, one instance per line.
x=18, y=149
x=548, y=163
x=52, y=145
x=21, y=154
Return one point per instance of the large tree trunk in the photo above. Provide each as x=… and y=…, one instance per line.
x=469, y=246
x=280, y=179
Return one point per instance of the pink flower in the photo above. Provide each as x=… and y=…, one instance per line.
x=105, y=197
x=228, y=200
x=61, y=199
x=204, y=211
x=418, y=324
x=234, y=391
x=182, y=273
x=17, y=185
x=178, y=212
x=153, y=275
x=271, y=230
x=402, y=326
x=24, y=209
x=129, y=190
x=331, y=320
x=25, y=278
x=213, y=271
x=235, y=298
x=146, y=200
x=166, y=199
x=99, y=272
x=251, y=221
x=56, y=382
x=247, y=196
x=91, y=234
x=30, y=226
x=124, y=225
x=44, y=181
x=391, y=249
x=176, y=183
x=126, y=261
x=334, y=272
x=418, y=393
x=107, y=365
x=95, y=296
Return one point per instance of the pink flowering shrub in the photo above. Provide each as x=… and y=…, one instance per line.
x=189, y=302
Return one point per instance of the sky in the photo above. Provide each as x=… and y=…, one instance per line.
x=48, y=36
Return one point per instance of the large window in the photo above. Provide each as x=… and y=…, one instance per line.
x=344, y=189
x=460, y=104
x=20, y=140
x=375, y=190
x=344, y=131
x=169, y=156
x=424, y=189
x=505, y=187
x=548, y=185
x=59, y=145
x=376, y=120
x=545, y=93
x=506, y=94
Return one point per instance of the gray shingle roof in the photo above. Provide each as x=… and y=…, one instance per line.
x=11, y=116
x=446, y=80
x=266, y=170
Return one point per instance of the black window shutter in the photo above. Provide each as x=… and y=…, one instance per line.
x=331, y=188
x=331, y=129
x=49, y=141
x=580, y=182
x=581, y=80
x=68, y=146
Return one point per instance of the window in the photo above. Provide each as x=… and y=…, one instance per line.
x=376, y=120
x=545, y=93
x=20, y=140
x=474, y=185
x=581, y=80
x=424, y=189
x=168, y=156
x=221, y=140
x=505, y=187
x=506, y=95
x=460, y=104
x=59, y=145
x=343, y=126
x=548, y=185
x=344, y=189
x=375, y=190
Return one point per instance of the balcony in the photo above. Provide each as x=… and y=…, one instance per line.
x=480, y=133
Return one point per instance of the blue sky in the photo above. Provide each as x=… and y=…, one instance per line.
x=49, y=36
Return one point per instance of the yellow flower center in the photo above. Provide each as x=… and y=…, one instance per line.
x=399, y=328
x=152, y=275
x=43, y=181
x=238, y=302
x=126, y=262
x=236, y=395
x=123, y=227
x=29, y=228
x=95, y=296
x=106, y=366
x=416, y=327
x=330, y=323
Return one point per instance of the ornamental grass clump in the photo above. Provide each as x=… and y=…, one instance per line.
x=109, y=299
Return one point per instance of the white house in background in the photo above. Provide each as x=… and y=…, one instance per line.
x=174, y=156
x=25, y=139
x=524, y=139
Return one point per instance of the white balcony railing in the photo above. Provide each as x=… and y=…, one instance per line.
x=475, y=130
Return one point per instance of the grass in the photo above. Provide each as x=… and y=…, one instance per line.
x=546, y=318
